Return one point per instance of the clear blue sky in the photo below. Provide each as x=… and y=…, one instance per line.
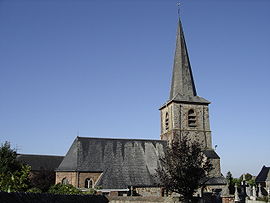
x=103, y=68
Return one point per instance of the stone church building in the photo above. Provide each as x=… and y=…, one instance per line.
x=117, y=165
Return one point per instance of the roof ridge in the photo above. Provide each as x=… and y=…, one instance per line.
x=41, y=155
x=127, y=139
x=77, y=158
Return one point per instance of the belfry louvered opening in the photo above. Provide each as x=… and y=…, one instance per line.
x=192, y=118
x=167, y=121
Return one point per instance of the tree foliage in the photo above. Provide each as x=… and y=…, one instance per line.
x=64, y=189
x=34, y=190
x=43, y=180
x=8, y=162
x=231, y=182
x=14, y=176
x=184, y=168
x=237, y=181
x=249, y=179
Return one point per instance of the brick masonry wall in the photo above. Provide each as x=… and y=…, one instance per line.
x=229, y=199
x=84, y=175
x=70, y=176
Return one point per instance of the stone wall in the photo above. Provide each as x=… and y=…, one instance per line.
x=254, y=201
x=142, y=200
x=178, y=123
x=267, y=183
x=50, y=198
x=216, y=171
x=56, y=198
x=149, y=192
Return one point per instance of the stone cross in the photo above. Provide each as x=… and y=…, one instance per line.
x=236, y=195
x=178, y=8
x=260, y=190
x=131, y=191
x=253, y=195
x=249, y=191
x=244, y=187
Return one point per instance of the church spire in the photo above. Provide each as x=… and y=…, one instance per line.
x=182, y=80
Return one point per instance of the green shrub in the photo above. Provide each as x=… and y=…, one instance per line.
x=64, y=189
x=91, y=191
x=34, y=190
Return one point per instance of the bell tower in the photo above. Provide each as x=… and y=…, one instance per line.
x=185, y=113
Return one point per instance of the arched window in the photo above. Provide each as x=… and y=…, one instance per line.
x=88, y=183
x=65, y=181
x=167, y=121
x=191, y=118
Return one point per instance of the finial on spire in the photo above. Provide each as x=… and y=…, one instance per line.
x=178, y=8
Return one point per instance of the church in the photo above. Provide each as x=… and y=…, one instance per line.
x=119, y=166
x=116, y=165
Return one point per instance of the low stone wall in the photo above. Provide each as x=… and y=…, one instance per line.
x=254, y=201
x=142, y=200
x=50, y=198
x=149, y=192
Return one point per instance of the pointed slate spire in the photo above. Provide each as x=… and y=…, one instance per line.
x=183, y=86
x=182, y=79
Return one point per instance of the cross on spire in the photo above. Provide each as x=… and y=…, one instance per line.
x=178, y=8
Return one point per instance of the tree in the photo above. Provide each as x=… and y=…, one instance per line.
x=13, y=174
x=184, y=168
x=248, y=178
x=43, y=180
x=8, y=162
x=231, y=182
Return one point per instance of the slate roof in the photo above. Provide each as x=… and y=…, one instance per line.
x=123, y=162
x=40, y=162
x=221, y=180
x=264, y=175
x=211, y=154
x=183, y=87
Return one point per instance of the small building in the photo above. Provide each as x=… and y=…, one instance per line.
x=263, y=178
x=42, y=174
x=40, y=162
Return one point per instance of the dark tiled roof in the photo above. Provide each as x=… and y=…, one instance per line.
x=217, y=181
x=264, y=175
x=211, y=154
x=124, y=162
x=40, y=162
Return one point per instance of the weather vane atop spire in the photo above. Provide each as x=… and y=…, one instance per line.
x=178, y=8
